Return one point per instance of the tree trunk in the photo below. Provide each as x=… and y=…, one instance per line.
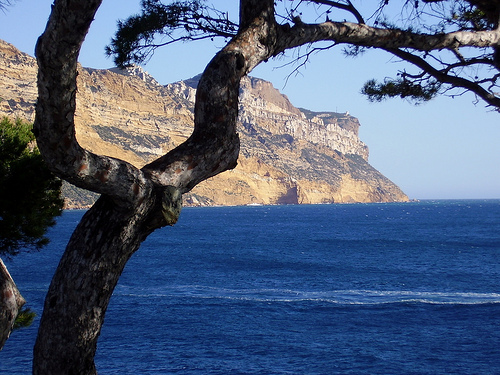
x=11, y=302
x=82, y=286
x=134, y=202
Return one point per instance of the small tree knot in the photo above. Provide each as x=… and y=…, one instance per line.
x=171, y=204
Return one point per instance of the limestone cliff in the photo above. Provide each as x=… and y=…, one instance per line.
x=288, y=155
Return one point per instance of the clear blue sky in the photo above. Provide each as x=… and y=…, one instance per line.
x=447, y=148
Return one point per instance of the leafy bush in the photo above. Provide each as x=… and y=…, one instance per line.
x=30, y=195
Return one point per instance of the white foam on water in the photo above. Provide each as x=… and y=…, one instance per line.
x=340, y=297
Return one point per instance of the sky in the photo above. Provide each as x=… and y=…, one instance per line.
x=447, y=148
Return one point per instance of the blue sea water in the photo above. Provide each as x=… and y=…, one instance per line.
x=383, y=289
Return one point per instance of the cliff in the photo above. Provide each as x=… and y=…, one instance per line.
x=288, y=155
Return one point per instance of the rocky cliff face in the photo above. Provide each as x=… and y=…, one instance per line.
x=288, y=155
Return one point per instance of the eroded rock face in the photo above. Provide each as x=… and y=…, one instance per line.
x=288, y=155
x=262, y=104
x=17, y=83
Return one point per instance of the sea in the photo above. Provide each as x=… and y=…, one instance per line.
x=393, y=288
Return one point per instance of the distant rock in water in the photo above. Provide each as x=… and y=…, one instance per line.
x=288, y=155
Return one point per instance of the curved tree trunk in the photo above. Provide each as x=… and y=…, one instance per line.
x=134, y=202
x=11, y=302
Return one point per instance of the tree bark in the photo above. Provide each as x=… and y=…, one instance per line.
x=83, y=284
x=134, y=202
x=11, y=302
x=368, y=36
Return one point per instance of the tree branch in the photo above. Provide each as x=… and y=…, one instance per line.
x=57, y=52
x=348, y=7
x=441, y=76
x=11, y=302
x=214, y=145
x=367, y=36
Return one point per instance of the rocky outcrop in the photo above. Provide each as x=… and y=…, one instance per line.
x=288, y=155
x=262, y=104
x=18, y=90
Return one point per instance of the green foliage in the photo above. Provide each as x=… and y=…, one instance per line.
x=155, y=19
x=474, y=15
x=401, y=87
x=30, y=196
x=474, y=19
x=134, y=41
x=24, y=319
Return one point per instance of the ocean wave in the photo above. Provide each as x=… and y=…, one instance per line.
x=338, y=297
